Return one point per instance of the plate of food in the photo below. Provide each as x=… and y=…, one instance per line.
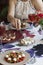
x=27, y=41
x=8, y=36
x=12, y=57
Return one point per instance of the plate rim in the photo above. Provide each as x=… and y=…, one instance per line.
x=25, y=61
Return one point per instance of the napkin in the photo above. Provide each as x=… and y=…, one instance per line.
x=39, y=50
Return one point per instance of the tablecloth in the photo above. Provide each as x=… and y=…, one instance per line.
x=37, y=38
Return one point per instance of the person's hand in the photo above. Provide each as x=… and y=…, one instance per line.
x=17, y=23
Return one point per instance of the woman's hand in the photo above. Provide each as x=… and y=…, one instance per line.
x=16, y=23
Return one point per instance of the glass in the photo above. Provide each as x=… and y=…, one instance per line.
x=33, y=18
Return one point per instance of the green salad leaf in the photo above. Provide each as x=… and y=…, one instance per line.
x=41, y=22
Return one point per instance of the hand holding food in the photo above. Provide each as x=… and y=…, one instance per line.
x=16, y=23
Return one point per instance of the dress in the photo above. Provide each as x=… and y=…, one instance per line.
x=23, y=9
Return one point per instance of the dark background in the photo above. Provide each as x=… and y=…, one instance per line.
x=3, y=9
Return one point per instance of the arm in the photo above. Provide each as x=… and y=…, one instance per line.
x=38, y=4
x=11, y=11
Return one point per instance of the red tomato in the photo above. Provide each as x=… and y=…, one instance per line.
x=19, y=60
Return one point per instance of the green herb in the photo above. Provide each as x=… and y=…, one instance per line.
x=41, y=22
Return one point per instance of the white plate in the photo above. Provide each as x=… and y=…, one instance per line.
x=2, y=55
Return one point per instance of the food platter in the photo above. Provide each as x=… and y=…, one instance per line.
x=27, y=58
x=10, y=36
